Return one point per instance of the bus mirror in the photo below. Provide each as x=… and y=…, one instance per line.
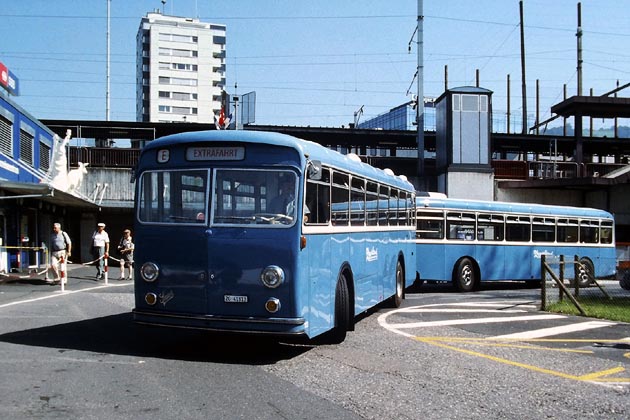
x=315, y=170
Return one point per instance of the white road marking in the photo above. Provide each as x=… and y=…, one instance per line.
x=473, y=311
x=61, y=294
x=546, y=332
x=452, y=322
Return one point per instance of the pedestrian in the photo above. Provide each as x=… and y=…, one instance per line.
x=60, y=250
x=100, y=246
x=126, y=247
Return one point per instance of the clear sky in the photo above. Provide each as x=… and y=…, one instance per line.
x=315, y=63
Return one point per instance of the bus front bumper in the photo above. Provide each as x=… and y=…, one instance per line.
x=249, y=325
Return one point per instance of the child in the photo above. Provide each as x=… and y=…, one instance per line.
x=126, y=247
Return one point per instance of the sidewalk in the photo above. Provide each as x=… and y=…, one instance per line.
x=77, y=273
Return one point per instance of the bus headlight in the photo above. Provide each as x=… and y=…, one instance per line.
x=272, y=276
x=149, y=271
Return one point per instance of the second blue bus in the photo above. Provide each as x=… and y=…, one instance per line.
x=468, y=242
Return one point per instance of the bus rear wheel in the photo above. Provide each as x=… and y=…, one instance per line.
x=464, y=277
x=399, y=294
x=342, y=311
x=624, y=282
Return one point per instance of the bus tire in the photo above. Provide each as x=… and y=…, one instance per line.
x=342, y=311
x=464, y=277
x=399, y=294
x=586, y=272
x=624, y=281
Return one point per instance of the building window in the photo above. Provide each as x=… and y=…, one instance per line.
x=181, y=110
x=26, y=147
x=470, y=103
x=180, y=53
x=164, y=108
x=183, y=82
x=164, y=94
x=44, y=156
x=181, y=96
x=172, y=52
x=6, y=143
x=177, y=38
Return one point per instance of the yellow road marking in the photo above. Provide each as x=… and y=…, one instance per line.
x=530, y=340
x=528, y=347
x=438, y=341
x=595, y=375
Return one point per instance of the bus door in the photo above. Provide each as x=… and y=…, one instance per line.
x=254, y=228
x=172, y=233
x=317, y=255
x=491, y=252
x=519, y=251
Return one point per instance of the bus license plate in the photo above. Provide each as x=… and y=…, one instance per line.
x=234, y=299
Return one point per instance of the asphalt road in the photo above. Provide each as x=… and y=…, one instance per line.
x=76, y=355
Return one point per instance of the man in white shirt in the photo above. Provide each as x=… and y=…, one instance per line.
x=100, y=244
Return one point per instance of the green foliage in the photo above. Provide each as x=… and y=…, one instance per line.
x=615, y=309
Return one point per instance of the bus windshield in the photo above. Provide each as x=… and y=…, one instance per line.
x=239, y=197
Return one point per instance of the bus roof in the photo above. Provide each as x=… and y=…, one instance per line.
x=305, y=148
x=505, y=207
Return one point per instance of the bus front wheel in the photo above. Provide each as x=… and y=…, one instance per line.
x=464, y=277
x=586, y=272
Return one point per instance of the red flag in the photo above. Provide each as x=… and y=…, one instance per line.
x=222, y=118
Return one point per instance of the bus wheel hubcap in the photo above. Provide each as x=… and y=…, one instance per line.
x=467, y=275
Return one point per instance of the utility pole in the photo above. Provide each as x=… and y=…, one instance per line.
x=107, y=77
x=579, y=49
x=420, y=107
x=523, y=84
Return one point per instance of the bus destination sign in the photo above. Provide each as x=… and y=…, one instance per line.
x=215, y=153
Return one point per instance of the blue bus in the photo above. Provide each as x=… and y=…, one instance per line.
x=261, y=232
x=474, y=241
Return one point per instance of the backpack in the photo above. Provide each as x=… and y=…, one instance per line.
x=66, y=239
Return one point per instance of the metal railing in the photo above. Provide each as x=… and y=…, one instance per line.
x=109, y=157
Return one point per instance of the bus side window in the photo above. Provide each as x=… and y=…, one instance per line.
x=518, y=229
x=490, y=227
x=589, y=231
x=567, y=230
x=340, y=199
x=372, y=203
x=357, y=205
x=430, y=225
x=317, y=200
x=383, y=204
x=606, y=232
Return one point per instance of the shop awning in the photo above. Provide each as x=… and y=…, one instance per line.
x=43, y=192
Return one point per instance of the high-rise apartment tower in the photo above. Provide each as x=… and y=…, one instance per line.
x=180, y=69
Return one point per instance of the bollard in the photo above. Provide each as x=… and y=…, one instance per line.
x=105, y=269
x=63, y=273
x=48, y=265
